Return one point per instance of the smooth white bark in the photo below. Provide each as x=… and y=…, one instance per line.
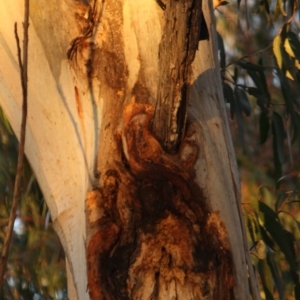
x=60, y=137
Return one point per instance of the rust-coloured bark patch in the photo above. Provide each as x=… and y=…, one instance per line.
x=78, y=103
x=154, y=237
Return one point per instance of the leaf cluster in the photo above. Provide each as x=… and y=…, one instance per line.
x=263, y=86
x=274, y=236
x=247, y=89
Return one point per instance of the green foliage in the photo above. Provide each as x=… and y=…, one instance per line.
x=265, y=81
x=36, y=264
x=260, y=69
x=274, y=235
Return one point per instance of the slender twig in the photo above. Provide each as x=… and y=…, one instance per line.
x=16, y=196
x=250, y=55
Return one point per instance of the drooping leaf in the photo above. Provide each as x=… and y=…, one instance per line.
x=263, y=81
x=296, y=127
x=288, y=48
x=280, y=3
x=250, y=66
x=267, y=211
x=266, y=278
x=266, y=238
x=280, y=199
x=275, y=273
x=250, y=228
x=241, y=96
x=278, y=135
x=257, y=81
x=253, y=91
x=221, y=51
x=267, y=7
x=294, y=43
x=236, y=74
x=288, y=65
x=277, y=50
x=287, y=92
x=291, y=242
x=228, y=93
x=239, y=118
x=297, y=291
x=275, y=229
x=264, y=127
x=277, y=163
x=229, y=97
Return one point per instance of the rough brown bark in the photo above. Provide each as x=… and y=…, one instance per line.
x=150, y=233
x=181, y=33
x=156, y=238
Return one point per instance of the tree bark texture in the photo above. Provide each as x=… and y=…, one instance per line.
x=177, y=49
x=136, y=221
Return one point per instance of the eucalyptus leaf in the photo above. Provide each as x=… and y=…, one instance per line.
x=275, y=229
x=228, y=93
x=257, y=81
x=287, y=93
x=244, y=101
x=294, y=43
x=275, y=273
x=250, y=66
x=221, y=50
x=278, y=135
x=277, y=50
x=264, y=127
x=296, y=127
x=263, y=80
x=253, y=91
x=266, y=238
x=266, y=279
x=239, y=119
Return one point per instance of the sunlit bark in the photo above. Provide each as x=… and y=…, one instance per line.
x=85, y=114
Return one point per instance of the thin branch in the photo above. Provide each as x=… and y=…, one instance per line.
x=250, y=55
x=16, y=196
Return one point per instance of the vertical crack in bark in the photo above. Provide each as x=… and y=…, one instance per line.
x=176, y=53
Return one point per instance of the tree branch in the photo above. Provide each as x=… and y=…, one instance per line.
x=177, y=50
x=16, y=196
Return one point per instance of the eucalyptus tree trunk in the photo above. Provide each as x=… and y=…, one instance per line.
x=129, y=142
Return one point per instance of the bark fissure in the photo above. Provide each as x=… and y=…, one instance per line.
x=177, y=50
x=150, y=232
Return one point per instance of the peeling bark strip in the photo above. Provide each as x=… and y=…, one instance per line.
x=151, y=235
x=176, y=53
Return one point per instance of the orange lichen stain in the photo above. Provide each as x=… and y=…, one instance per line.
x=133, y=109
x=142, y=149
x=170, y=246
x=92, y=199
x=175, y=236
x=217, y=228
x=94, y=209
x=120, y=93
x=78, y=103
x=80, y=112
